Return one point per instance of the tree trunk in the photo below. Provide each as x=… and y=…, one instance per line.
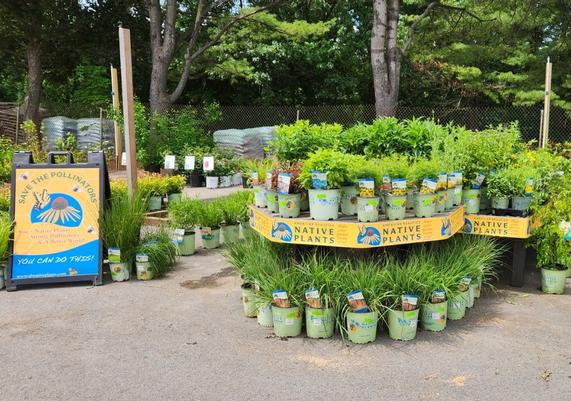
x=158, y=91
x=32, y=100
x=385, y=56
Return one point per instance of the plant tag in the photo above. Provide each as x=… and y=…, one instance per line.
x=141, y=257
x=438, y=296
x=409, y=302
x=315, y=321
x=208, y=163
x=189, y=162
x=179, y=235
x=289, y=321
x=357, y=301
x=269, y=183
x=206, y=233
x=465, y=283
x=170, y=162
x=458, y=189
x=477, y=184
x=528, y=187
x=437, y=316
x=254, y=175
x=459, y=178
x=124, y=158
x=451, y=181
x=442, y=183
x=565, y=228
x=114, y=255
x=386, y=183
x=312, y=298
x=399, y=186
x=280, y=298
x=284, y=180
x=366, y=187
x=429, y=185
x=319, y=179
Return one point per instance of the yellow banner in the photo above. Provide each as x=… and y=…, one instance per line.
x=497, y=226
x=351, y=234
x=56, y=211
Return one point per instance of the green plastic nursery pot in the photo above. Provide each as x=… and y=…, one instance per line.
x=471, y=200
x=402, y=324
x=500, y=203
x=410, y=199
x=265, y=317
x=433, y=316
x=155, y=203
x=120, y=271
x=324, y=204
x=260, y=196
x=174, y=198
x=440, y=201
x=395, y=207
x=289, y=205
x=272, y=199
x=349, y=200
x=210, y=240
x=470, y=301
x=287, y=321
x=188, y=245
x=319, y=323
x=457, y=306
x=144, y=271
x=304, y=202
x=230, y=233
x=553, y=281
x=368, y=209
x=249, y=302
x=521, y=203
x=362, y=327
x=485, y=201
x=449, y=203
x=457, y=196
x=424, y=205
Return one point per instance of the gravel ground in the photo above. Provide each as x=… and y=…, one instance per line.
x=184, y=338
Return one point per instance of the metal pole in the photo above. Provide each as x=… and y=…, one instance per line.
x=128, y=109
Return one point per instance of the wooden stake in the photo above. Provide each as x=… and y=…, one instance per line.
x=117, y=109
x=128, y=109
x=17, y=124
x=546, y=104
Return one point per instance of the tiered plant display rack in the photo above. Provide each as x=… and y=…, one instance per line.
x=349, y=233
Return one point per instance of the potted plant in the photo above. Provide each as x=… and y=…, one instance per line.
x=320, y=278
x=396, y=196
x=552, y=241
x=272, y=189
x=210, y=217
x=120, y=226
x=184, y=216
x=195, y=177
x=258, y=175
x=155, y=256
x=522, y=180
x=322, y=175
x=471, y=193
x=175, y=185
x=5, y=231
x=500, y=189
x=232, y=210
x=458, y=302
x=425, y=174
x=213, y=176
x=359, y=167
x=289, y=190
x=154, y=188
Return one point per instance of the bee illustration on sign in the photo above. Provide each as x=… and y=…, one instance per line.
x=58, y=209
x=446, y=228
x=368, y=236
x=281, y=231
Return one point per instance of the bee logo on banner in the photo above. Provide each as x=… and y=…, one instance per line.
x=56, y=214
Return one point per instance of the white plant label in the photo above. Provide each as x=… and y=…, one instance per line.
x=316, y=321
x=208, y=163
x=179, y=235
x=124, y=158
x=189, y=162
x=170, y=162
x=289, y=321
x=142, y=258
x=436, y=316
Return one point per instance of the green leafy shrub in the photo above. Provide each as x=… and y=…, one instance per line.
x=500, y=185
x=185, y=214
x=161, y=250
x=335, y=163
x=296, y=141
x=5, y=198
x=210, y=214
x=5, y=231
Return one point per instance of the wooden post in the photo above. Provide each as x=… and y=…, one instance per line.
x=128, y=109
x=117, y=109
x=546, y=104
x=17, y=124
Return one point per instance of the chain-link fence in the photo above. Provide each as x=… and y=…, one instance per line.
x=475, y=118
